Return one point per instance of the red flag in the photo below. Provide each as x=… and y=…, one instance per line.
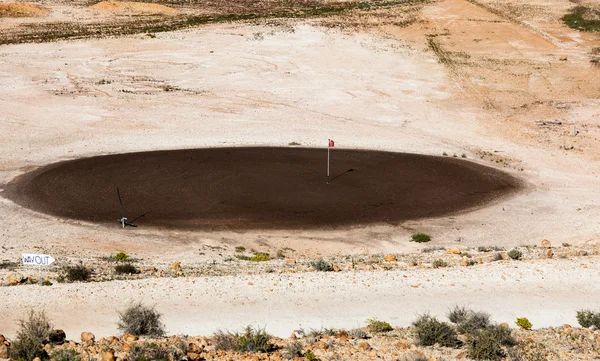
x=331, y=143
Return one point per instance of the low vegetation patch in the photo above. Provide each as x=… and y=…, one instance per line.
x=121, y=257
x=439, y=263
x=78, y=273
x=583, y=18
x=376, y=326
x=430, y=331
x=420, y=238
x=147, y=352
x=293, y=350
x=468, y=321
x=250, y=340
x=524, y=323
x=484, y=346
x=141, y=320
x=32, y=333
x=588, y=318
x=126, y=269
x=66, y=354
x=515, y=254
x=260, y=257
x=321, y=265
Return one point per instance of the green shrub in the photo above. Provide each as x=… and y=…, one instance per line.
x=292, y=350
x=121, y=257
x=32, y=333
x=583, y=18
x=46, y=283
x=126, y=269
x=358, y=333
x=240, y=249
x=250, y=340
x=484, y=346
x=439, y=263
x=260, y=257
x=78, y=273
x=310, y=356
x=475, y=321
x=524, y=323
x=515, y=254
x=378, y=326
x=502, y=334
x=588, y=318
x=147, y=352
x=458, y=315
x=66, y=354
x=321, y=265
x=420, y=238
x=430, y=331
x=140, y=320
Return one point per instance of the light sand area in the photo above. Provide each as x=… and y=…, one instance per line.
x=547, y=292
x=227, y=86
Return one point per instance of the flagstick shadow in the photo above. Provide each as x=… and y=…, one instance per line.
x=339, y=175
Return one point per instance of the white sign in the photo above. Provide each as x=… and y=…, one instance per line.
x=37, y=259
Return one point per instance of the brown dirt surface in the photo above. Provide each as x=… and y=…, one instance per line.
x=18, y=10
x=133, y=8
x=260, y=187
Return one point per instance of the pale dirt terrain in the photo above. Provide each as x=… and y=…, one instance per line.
x=495, y=89
x=285, y=302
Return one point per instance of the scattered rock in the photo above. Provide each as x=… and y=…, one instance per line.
x=3, y=351
x=453, y=251
x=546, y=244
x=108, y=356
x=129, y=337
x=14, y=278
x=290, y=261
x=414, y=356
x=390, y=258
x=364, y=346
x=336, y=268
x=176, y=266
x=2, y=338
x=193, y=356
x=88, y=338
x=461, y=355
x=549, y=254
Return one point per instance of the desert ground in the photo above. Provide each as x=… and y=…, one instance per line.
x=498, y=83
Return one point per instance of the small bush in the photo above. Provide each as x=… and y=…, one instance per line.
x=140, y=320
x=254, y=340
x=310, y=356
x=126, y=269
x=524, y=323
x=475, y=321
x=46, y=283
x=358, y=333
x=431, y=331
x=420, y=238
x=439, y=263
x=78, y=273
x=458, y=315
x=66, y=354
x=240, y=249
x=260, y=257
x=321, y=265
x=379, y=326
x=121, y=257
x=484, y=346
x=433, y=249
x=32, y=333
x=502, y=334
x=588, y=318
x=251, y=340
x=147, y=352
x=292, y=350
x=515, y=254
x=224, y=341
x=498, y=257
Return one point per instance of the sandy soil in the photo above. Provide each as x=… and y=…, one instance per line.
x=546, y=292
x=464, y=78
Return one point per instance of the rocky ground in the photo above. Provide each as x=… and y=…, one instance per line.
x=552, y=344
